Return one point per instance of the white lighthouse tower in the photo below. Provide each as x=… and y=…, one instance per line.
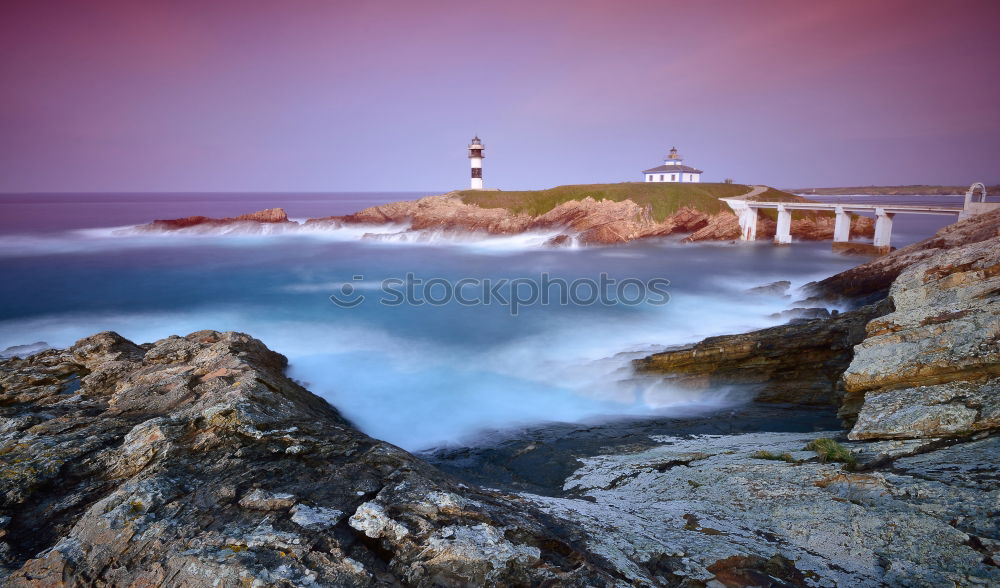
x=476, y=158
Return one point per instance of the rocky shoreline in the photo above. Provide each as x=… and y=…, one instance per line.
x=586, y=221
x=196, y=461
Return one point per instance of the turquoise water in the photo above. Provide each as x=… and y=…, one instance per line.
x=417, y=376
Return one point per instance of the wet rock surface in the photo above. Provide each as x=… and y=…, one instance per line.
x=800, y=362
x=540, y=458
x=195, y=461
x=709, y=511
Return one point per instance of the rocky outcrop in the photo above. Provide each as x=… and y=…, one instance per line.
x=586, y=221
x=870, y=281
x=931, y=368
x=265, y=217
x=720, y=227
x=924, y=364
x=194, y=461
x=590, y=221
x=598, y=222
x=800, y=362
x=761, y=510
x=446, y=212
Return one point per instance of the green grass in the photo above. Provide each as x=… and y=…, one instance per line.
x=664, y=198
x=786, y=457
x=829, y=450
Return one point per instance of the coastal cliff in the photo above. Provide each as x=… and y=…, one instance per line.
x=195, y=461
x=587, y=219
x=931, y=368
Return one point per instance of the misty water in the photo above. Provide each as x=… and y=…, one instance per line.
x=419, y=376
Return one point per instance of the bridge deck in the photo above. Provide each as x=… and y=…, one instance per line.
x=848, y=207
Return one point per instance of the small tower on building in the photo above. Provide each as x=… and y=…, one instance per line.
x=476, y=159
x=672, y=170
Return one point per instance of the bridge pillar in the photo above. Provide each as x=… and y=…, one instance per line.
x=842, y=227
x=883, y=229
x=748, y=224
x=783, y=234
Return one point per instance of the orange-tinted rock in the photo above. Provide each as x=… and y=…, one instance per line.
x=720, y=227
x=269, y=216
x=446, y=212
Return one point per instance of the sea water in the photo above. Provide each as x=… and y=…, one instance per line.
x=419, y=376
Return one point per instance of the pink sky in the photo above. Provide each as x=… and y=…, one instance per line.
x=327, y=95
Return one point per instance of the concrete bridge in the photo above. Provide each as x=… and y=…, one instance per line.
x=748, y=211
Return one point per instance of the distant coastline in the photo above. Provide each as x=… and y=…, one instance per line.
x=909, y=190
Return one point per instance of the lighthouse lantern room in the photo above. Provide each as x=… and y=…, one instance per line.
x=476, y=159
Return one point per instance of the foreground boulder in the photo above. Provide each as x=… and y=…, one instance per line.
x=931, y=368
x=194, y=461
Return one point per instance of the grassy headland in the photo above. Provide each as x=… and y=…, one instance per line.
x=664, y=198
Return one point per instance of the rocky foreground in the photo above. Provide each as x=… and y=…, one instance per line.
x=587, y=221
x=195, y=461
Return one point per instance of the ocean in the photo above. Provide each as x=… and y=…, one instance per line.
x=421, y=376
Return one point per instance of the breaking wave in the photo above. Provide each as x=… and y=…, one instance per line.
x=239, y=235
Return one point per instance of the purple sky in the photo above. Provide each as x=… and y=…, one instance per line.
x=311, y=95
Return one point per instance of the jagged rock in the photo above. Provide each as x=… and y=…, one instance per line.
x=602, y=221
x=258, y=499
x=723, y=226
x=196, y=461
x=798, y=313
x=590, y=221
x=779, y=288
x=269, y=216
x=871, y=281
x=799, y=362
x=559, y=241
x=931, y=368
x=446, y=212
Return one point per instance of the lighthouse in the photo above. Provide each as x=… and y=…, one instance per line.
x=476, y=158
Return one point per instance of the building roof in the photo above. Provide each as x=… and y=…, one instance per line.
x=672, y=168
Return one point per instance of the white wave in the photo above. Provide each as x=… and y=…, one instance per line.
x=332, y=286
x=243, y=234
